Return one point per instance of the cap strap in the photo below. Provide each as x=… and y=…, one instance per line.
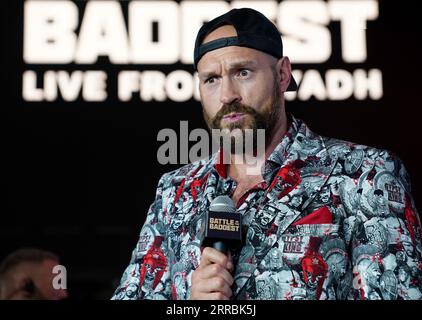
x=216, y=44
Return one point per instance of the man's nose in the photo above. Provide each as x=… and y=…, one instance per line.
x=229, y=93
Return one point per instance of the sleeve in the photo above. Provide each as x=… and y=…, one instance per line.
x=386, y=240
x=147, y=276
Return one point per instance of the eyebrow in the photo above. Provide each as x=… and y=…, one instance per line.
x=234, y=65
x=242, y=64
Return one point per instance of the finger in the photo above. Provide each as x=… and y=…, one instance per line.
x=218, y=296
x=230, y=265
x=215, y=270
x=210, y=296
x=215, y=284
x=211, y=255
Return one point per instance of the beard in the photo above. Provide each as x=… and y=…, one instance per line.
x=252, y=121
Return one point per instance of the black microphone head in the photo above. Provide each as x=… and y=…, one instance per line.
x=223, y=227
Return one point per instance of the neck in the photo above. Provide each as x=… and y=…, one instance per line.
x=241, y=170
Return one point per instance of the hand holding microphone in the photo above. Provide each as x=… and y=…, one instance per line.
x=212, y=279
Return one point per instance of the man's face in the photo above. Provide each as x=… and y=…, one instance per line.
x=402, y=275
x=43, y=279
x=239, y=86
x=151, y=273
x=337, y=263
x=374, y=273
x=264, y=217
x=177, y=221
x=276, y=261
x=132, y=290
x=324, y=195
x=296, y=201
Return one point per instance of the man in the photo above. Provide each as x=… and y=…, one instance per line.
x=27, y=274
x=242, y=79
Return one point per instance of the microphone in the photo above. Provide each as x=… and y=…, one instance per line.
x=223, y=227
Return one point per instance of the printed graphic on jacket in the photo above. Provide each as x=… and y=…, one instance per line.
x=331, y=220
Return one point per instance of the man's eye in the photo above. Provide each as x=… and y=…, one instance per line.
x=210, y=80
x=244, y=73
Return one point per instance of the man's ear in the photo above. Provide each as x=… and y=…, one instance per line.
x=284, y=72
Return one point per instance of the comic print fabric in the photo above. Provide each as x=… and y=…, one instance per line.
x=331, y=220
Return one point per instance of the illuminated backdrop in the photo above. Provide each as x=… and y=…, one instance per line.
x=87, y=86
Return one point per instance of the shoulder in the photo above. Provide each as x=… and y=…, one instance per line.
x=342, y=148
x=368, y=171
x=354, y=155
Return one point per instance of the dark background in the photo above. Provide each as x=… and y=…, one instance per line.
x=79, y=177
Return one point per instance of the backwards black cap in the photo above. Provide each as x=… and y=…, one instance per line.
x=253, y=30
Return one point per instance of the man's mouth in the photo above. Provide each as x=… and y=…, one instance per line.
x=234, y=117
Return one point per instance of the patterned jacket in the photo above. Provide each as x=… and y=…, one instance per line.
x=331, y=220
